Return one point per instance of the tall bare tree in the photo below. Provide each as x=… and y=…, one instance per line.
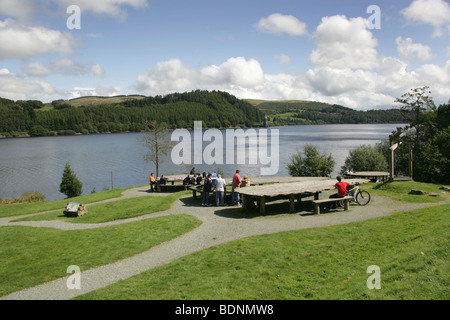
x=157, y=143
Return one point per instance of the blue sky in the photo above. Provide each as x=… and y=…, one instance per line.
x=323, y=50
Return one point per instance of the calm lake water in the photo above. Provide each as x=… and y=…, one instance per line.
x=28, y=164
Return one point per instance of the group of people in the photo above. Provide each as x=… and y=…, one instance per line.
x=210, y=183
x=219, y=186
x=153, y=182
x=349, y=171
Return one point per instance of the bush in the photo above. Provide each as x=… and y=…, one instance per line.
x=312, y=163
x=365, y=158
x=70, y=185
x=26, y=197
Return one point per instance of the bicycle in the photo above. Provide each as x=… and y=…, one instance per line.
x=362, y=197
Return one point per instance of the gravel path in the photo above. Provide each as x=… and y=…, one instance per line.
x=219, y=225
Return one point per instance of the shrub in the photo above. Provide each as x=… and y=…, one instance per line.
x=70, y=185
x=312, y=163
x=365, y=158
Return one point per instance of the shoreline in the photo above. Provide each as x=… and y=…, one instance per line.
x=24, y=135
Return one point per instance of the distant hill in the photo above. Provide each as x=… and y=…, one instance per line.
x=216, y=109
x=300, y=112
x=87, y=115
x=94, y=101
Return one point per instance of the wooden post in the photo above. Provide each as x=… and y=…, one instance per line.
x=112, y=181
x=292, y=202
x=346, y=201
x=316, y=208
x=411, y=163
x=262, y=205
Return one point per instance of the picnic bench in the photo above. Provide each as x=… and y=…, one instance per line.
x=174, y=182
x=292, y=190
x=317, y=203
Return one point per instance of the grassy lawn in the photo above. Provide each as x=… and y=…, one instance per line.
x=11, y=210
x=115, y=210
x=31, y=256
x=410, y=248
x=399, y=190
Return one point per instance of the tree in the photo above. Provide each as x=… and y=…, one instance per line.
x=427, y=135
x=418, y=109
x=365, y=158
x=157, y=142
x=70, y=185
x=312, y=163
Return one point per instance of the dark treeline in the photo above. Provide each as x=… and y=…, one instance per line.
x=298, y=113
x=179, y=110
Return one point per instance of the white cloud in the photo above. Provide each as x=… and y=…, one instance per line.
x=332, y=82
x=283, y=58
x=167, y=76
x=97, y=70
x=278, y=24
x=16, y=87
x=352, y=87
x=36, y=69
x=19, y=41
x=236, y=71
x=20, y=9
x=343, y=43
x=435, y=74
x=100, y=91
x=433, y=12
x=69, y=67
x=413, y=51
x=174, y=76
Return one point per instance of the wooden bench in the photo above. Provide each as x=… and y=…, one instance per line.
x=160, y=187
x=317, y=203
x=198, y=188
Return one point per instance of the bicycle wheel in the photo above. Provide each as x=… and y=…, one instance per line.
x=363, y=197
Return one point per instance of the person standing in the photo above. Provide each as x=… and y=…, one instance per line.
x=207, y=186
x=220, y=190
x=235, y=184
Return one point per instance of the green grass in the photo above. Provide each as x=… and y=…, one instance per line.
x=398, y=190
x=115, y=210
x=411, y=249
x=31, y=256
x=12, y=210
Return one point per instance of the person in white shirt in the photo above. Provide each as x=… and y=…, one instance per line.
x=220, y=190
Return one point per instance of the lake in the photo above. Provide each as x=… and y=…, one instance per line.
x=37, y=164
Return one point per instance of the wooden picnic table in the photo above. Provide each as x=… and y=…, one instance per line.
x=307, y=187
x=372, y=175
x=259, y=181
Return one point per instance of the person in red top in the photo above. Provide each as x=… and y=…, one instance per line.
x=236, y=183
x=341, y=186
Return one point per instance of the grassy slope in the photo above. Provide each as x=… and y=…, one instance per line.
x=31, y=256
x=410, y=248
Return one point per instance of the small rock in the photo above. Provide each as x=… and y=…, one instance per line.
x=418, y=192
x=445, y=188
x=434, y=195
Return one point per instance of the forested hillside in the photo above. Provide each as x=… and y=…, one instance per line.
x=309, y=112
x=215, y=109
